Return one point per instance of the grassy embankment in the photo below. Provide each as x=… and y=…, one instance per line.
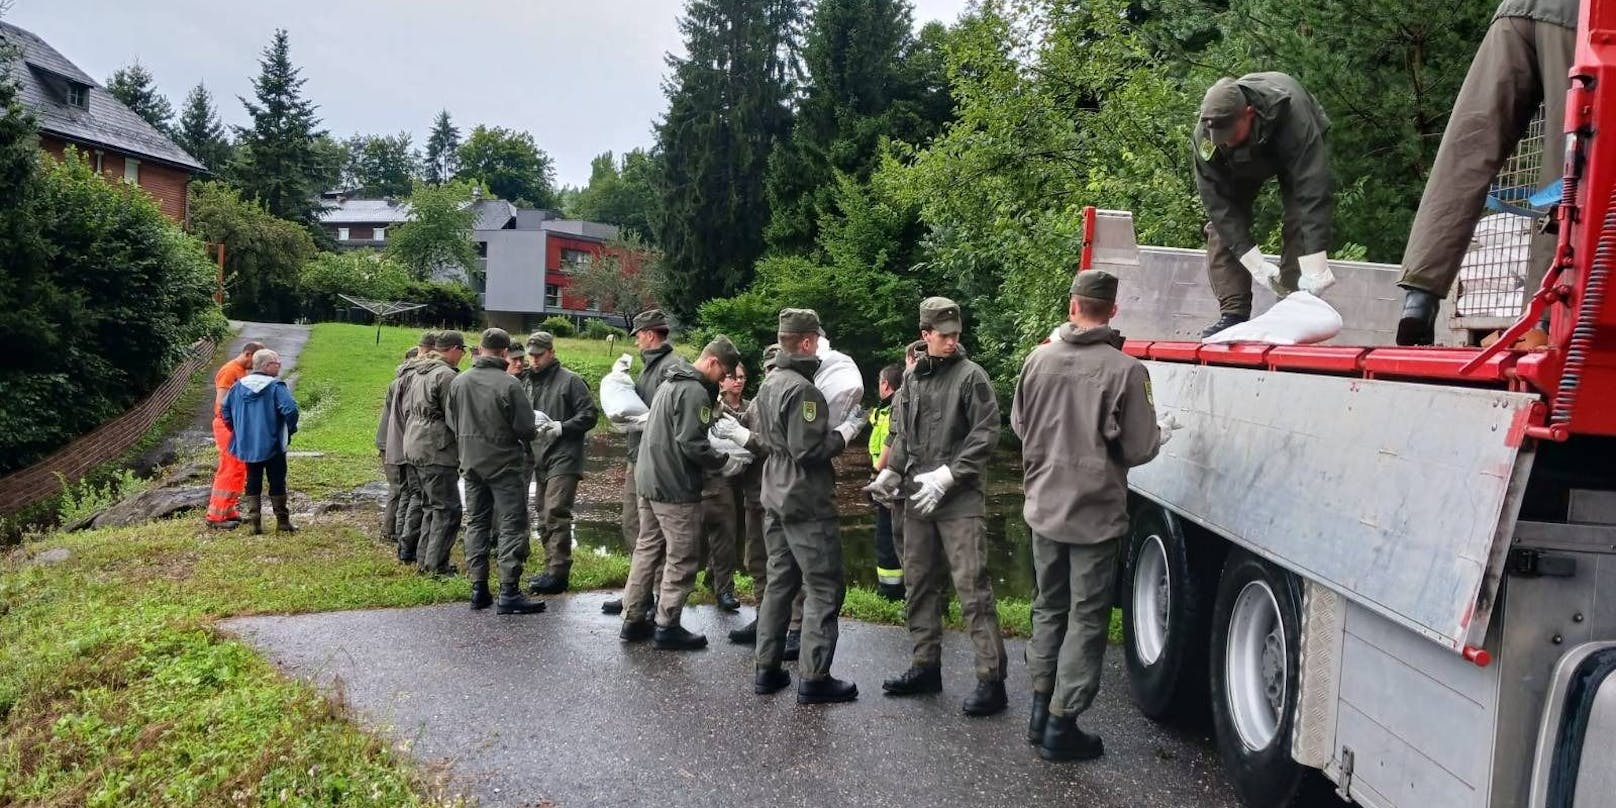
x=117, y=689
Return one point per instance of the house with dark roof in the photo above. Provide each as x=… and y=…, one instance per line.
x=71, y=109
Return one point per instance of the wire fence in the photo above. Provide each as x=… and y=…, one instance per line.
x=1492, y=276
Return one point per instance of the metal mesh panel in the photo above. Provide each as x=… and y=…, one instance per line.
x=1492, y=276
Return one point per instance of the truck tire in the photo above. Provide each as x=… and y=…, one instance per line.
x=1166, y=604
x=1256, y=629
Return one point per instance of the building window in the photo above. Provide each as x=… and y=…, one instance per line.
x=131, y=171
x=77, y=95
x=594, y=305
x=381, y=234
x=482, y=249
x=342, y=234
x=552, y=296
x=575, y=258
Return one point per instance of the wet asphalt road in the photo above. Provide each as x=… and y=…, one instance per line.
x=553, y=709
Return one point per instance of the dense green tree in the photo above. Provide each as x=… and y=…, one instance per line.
x=510, y=165
x=200, y=133
x=623, y=193
x=869, y=79
x=280, y=162
x=442, y=157
x=437, y=238
x=624, y=279
x=263, y=254
x=379, y=165
x=135, y=87
x=727, y=111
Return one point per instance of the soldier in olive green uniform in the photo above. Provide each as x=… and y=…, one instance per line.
x=1258, y=127
x=430, y=451
x=490, y=418
x=945, y=425
x=564, y=397
x=651, y=335
x=390, y=444
x=1083, y=411
x=674, y=455
x=800, y=525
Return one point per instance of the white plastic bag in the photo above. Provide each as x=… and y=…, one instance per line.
x=541, y=442
x=1299, y=319
x=618, y=398
x=729, y=447
x=838, y=378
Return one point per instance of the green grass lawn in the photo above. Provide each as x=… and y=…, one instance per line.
x=116, y=688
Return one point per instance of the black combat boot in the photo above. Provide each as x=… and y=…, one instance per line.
x=770, y=680
x=1064, y=741
x=988, y=699
x=636, y=630
x=613, y=606
x=676, y=638
x=1417, y=325
x=481, y=598
x=252, y=513
x=915, y=681
x=745, y=635
x=548, y=584
x=828, y=690
x=283, y=515
x=892, y=592
x=1040, y=718
x=727, y=602
x=512, y=601
x=793, y=645
x=1223, y=322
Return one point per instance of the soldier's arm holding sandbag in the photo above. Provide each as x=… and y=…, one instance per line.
x=691, y=428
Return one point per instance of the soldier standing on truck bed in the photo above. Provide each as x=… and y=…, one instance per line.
x=1523, y=61
x=1257, y=127
x=1084, y=414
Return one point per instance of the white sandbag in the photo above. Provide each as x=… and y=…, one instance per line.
x=1491, y=302
x=1492, y=265
x=729, y=447
x=838, y=378
x=618, y=398
x=541, y=443
x=1299, y=319
x=1503, y=229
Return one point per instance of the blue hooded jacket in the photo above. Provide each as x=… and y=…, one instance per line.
x=262, y=417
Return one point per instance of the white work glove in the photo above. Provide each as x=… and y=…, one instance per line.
x=734, y=465
x=1263, y=270
x=1167, y=426
x=550, y=430
x=1316, y=274
x=622, y=363
x=885, y=485
x=853, y=425
x=631, y=423
x=933, y=486
x=730, y=429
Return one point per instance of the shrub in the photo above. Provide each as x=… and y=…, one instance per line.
x=263, y=255
x=449, y=304
x=362, y=273
x=559, y=326
x=600, y=329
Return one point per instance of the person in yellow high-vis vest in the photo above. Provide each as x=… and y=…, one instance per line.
x=888, y=530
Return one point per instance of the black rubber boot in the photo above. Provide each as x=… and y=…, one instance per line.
x=892, y=592
x=548, y=584
x=745, y=635
x=793, y=645
x=1223, y=322
x=915, y=681
x=1417, y=325
x=283, y=515
x=636, y=630
x=481, y=598
x=1039, y=720
x=676, y=638
x=512, y=601
x=613, y=606
x=252, y=513
x=828, y=690
x=1064, y=741
x=988, y=699
x=728, y=602
x=770, y=680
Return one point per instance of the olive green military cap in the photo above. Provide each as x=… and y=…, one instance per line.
x=1096, y=284
x=650, y=318
x=516, y=350
x=429, y=340
x=799, y=321
x=1220, y=108
x=496, y=339
x=769, y=355
x=450, y=339
x=722, y=349
x=941, y=315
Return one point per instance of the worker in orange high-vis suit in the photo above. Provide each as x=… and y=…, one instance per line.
x=231, y=476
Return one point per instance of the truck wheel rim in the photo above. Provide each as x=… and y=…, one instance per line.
x=1152, y=600
x=1255, y=665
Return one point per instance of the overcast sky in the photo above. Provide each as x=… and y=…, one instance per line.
x=584, y=76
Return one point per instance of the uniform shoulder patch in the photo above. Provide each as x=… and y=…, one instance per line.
x=706, y=415
x=1206, y=148
x=810, y=411
x=1150, y=397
